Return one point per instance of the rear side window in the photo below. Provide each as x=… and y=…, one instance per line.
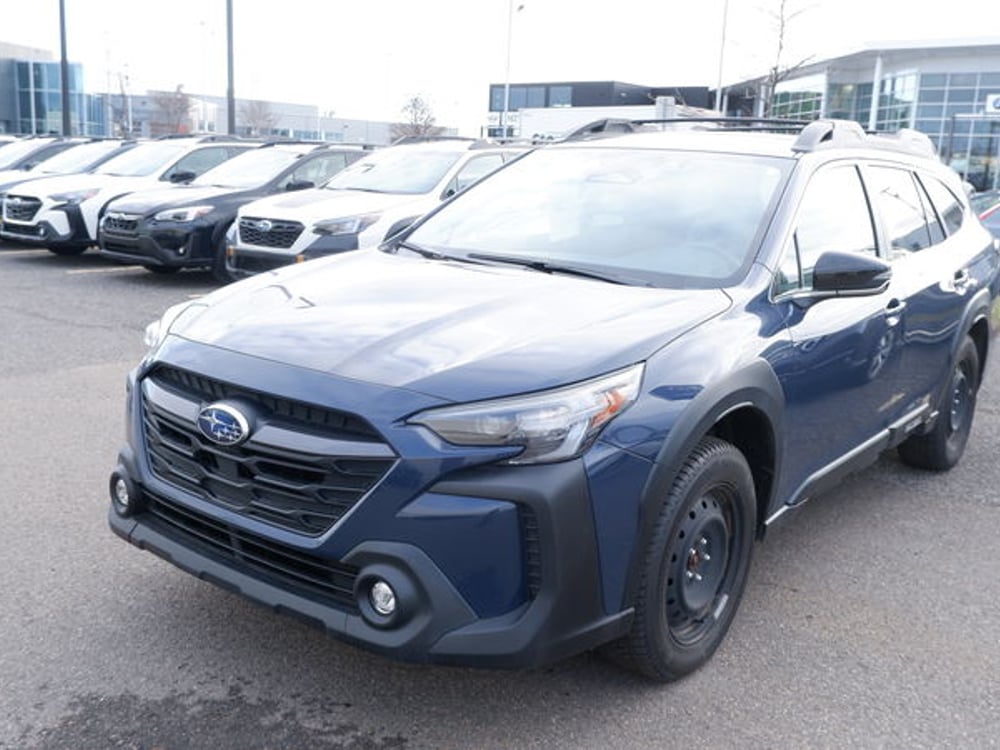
x=911, y=226
x=948, y=207
x=833, y=217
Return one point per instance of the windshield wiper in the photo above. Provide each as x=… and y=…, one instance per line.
x=545, y=266
x=433, y=255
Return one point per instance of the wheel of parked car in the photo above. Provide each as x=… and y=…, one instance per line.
x=68, y=249
x=695, y=566
x=942, y=447
x=219, y=270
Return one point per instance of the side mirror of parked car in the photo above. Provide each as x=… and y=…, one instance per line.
x=300, y=185
x=182, y=176
x=850, y=273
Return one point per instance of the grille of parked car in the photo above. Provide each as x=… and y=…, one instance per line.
x=269, y=232
x=120, y=223
x=18, y=208
x=307, y=574
x=306, y=492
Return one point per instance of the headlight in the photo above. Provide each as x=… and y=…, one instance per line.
x=550, y=426
x=346, y=225
x=74, y=197
x=183, y=214
x=174, y=320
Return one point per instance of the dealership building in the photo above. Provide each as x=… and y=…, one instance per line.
x=949, y=90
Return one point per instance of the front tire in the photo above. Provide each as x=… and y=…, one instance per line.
x=695, y=566
x=942, y=447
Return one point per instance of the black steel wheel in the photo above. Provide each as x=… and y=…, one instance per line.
x=942, y=447
x=695, y=566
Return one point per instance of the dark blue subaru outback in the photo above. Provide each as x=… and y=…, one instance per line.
x=555, y=413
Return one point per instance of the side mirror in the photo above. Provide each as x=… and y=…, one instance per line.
x=846, y=274
x=300, y=185
x=182, y=176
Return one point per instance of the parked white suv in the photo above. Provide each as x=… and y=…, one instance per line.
x=362, y=205
x=61, y=213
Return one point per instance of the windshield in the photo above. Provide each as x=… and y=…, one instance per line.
x=396, y=170
x=665, y=218
x=79, y=158
x=14, y=152
x=142, y=160
x=249, y=169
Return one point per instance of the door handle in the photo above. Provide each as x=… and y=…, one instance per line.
x=962, y=280
x=894, y=311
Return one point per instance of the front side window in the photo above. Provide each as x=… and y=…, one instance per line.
x=200, y=161
x=833, y=216
x=474, y=170
x=948, y=207
x=652, y=217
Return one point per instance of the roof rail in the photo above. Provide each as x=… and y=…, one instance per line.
x=600, y=128
x=832, y=132
x=753, y=124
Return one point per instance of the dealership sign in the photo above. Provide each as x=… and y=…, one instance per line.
x=992, y=107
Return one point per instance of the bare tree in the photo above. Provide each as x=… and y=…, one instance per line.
x=171, y=112
x=419, y=120
x=780, y=71
x=258, y=117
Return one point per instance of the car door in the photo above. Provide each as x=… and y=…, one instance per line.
x=931, y=262
x=840, y=376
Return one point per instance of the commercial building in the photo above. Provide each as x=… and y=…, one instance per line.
x=548, y=109
x=949, y=90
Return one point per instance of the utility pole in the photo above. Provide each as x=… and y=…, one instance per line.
x=64, y=69
x=230, y=89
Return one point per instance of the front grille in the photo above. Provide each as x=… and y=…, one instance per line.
x=269, y=232
x=120, y=224
x=20, y=208
x=284, y=482
x=290, y=568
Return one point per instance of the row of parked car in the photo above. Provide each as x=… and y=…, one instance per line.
x=237, y=207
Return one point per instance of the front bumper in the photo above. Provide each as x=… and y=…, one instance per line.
x=562, y=616
x=180, y=247
x=243, y=261
x=63, y=226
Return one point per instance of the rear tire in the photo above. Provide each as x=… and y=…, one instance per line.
x=942, y=447
x=695, y=566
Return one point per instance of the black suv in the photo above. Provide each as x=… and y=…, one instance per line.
x=182, y=227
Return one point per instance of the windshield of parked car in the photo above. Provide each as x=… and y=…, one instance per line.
x=14, y=152
x=402, y=169
x=249, y=169
x=658, y=217
x=78, y=158
x=983, y=201
x=142, y=161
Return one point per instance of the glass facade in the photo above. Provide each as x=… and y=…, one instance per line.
x=38, y=99
x=531, y=97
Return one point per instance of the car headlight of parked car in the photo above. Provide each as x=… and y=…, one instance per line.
x=174, y=320
x=189, y=213
x=346, y=224
x=550, y=426
x=74, y=197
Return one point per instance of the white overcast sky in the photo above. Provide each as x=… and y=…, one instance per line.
x=363, y=59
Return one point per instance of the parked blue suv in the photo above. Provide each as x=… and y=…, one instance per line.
x=555, y=413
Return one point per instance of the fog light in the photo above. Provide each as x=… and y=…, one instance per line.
x=383, y=598
x=125, y=497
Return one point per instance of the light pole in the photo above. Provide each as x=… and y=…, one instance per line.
x=506, y=82
x=722, y=53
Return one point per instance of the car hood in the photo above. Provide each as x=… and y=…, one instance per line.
x=106, y=183
x=455, y=331
x=310, y=206
x=149, y=201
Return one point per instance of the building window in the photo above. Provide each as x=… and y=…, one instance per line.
x=560, y=96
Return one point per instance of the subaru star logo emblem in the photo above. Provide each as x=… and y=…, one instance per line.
x=223, y=424
x=264, y=225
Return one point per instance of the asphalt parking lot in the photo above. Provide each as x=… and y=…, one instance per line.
x=871, y=619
